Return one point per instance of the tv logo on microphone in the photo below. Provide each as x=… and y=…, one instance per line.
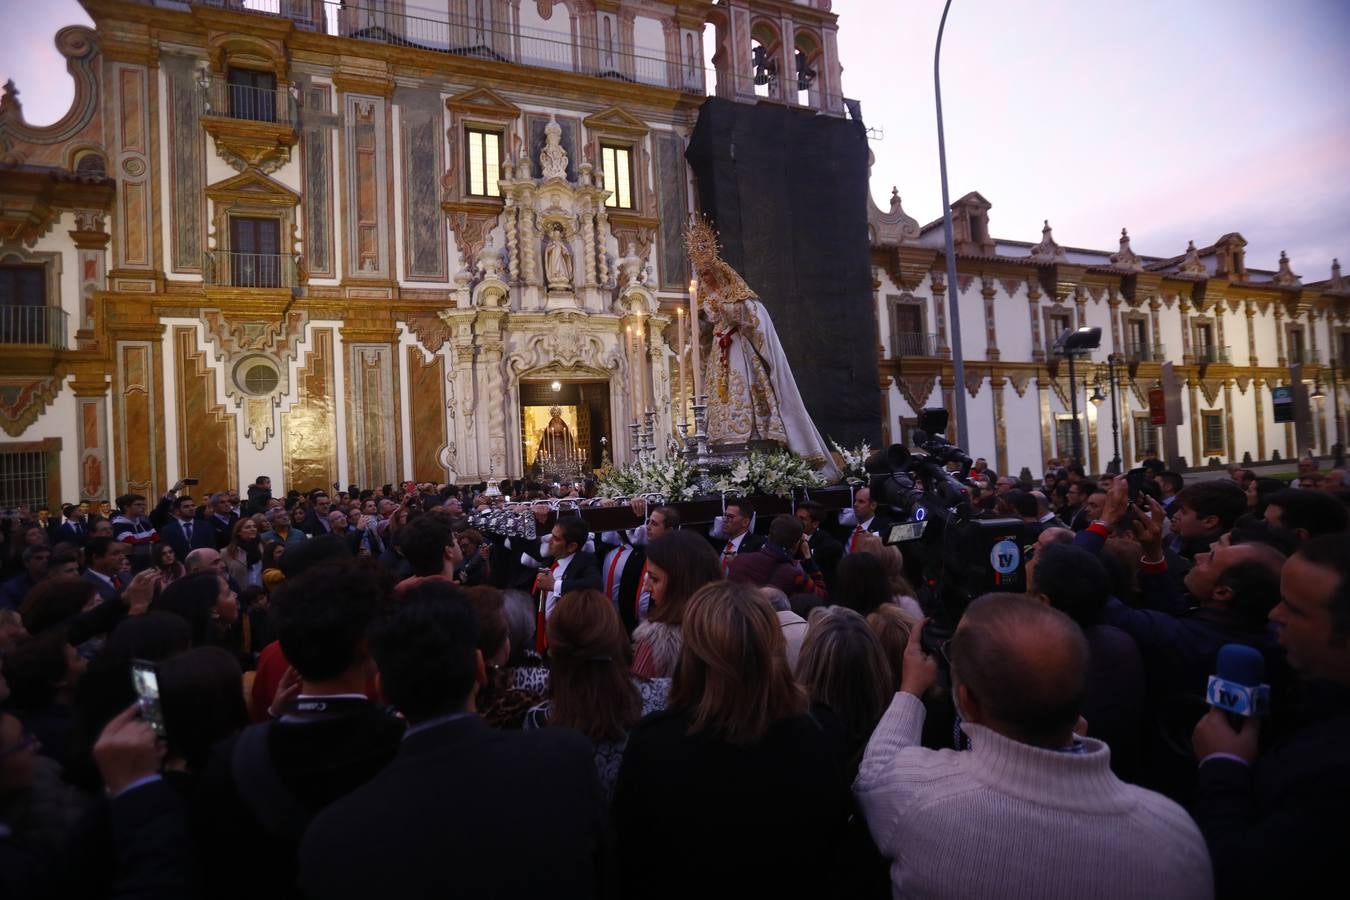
x=1241, y=699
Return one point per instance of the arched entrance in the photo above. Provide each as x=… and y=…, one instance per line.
x=565, y=426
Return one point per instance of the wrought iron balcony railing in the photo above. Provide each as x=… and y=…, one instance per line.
x=241, y=101
x=1210, y=355
x=35, y=326
x=249, y=270
x=1139, y=351
x=914, y=344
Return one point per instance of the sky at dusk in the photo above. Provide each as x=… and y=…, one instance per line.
x=1178, y=119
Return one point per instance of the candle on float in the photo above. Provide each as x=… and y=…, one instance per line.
x=679, y=349
x=694, y=337
x=644, y=367
x=632, y=368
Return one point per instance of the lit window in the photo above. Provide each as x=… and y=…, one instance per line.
x=616, y=162
x=485, y=163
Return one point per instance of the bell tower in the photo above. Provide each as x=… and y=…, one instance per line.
x=782, y=52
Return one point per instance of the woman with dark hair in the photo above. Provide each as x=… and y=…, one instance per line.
x=205, y=600
x=105, y=690
x=243, y=554
x=733, y=760
x=54, y=601
x=592, y=688
x=678, y=564
x=167, y=564
x=202, y=695
x=861, y=583
x=845, y=671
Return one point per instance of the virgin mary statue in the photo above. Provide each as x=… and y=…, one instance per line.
x=753, y=399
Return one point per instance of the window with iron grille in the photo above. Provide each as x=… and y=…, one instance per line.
x=1213, y=433
x=253, y=95
x=1064, y=436
x=23, y=479
x=1146, y=440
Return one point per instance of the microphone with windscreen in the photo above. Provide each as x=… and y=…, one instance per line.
x=1236, y=687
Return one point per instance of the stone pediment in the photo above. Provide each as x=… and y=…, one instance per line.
x=616, y=121
x=483, y=102
x=253, y=187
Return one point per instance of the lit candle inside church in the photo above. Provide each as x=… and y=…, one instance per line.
x=679, y=350
x=694, y=336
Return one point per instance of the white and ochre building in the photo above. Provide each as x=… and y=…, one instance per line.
x=1231, y=331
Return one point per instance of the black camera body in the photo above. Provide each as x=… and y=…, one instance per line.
x=951, y=554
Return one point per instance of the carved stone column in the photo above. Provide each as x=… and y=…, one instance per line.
x=529, y=240
x=1250, y=309
x=996, y=383
x=1155, y=325
x=602, y=242
x=1187, y=357
x=1034, y=306
x=492, y=443
x=940, y=314
x=512, y=240
x=1282, y=358
x=988, y=292
x=588, y=246
x=1258, y=393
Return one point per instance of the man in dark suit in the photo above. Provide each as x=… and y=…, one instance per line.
x=863, y=517
x=569, y=568
x=444, y=818
x=734, y=535
x=221, y=518
x=75, y=529
x=316, y=520
x=825, y=550
x=183, y=531
x=104, y=556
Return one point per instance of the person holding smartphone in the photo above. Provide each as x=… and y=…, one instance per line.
x=784, y=562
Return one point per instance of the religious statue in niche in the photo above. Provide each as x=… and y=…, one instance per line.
x=558, y=260
x=753, y=401
x=553, y=158
x=556, y=440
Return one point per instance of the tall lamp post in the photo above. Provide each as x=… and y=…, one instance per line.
x=1336, y=411
x=1079, y=342
x=1097, y=398
x=953, y=301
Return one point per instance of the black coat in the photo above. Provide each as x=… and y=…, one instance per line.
x=468, y=811
x=1277, y=828
x=827, y=552
x=749, y=544
x=203, y=535
x=317, y=760
x=767, y=820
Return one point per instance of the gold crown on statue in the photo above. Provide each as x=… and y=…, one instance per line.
x=700, y=242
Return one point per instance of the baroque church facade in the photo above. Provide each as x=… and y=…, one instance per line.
x=330, y=243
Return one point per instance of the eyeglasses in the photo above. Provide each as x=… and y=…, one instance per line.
x=27, y=741
x=944, y=649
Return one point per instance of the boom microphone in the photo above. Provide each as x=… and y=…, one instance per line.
x=1236, y=687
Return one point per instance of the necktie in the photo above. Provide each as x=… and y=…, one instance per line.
x=728, y=554
x=540, y=620
x=853, y=541
x=187, y=532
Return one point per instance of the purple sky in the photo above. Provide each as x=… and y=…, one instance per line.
x=1178, y=120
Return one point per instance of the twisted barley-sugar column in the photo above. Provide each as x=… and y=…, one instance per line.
x=512, y=240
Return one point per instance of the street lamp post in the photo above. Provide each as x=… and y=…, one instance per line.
x=953, y=301
x=1336, y=411
x=1083, y=340
x=1097, y=398
x=1077, y=426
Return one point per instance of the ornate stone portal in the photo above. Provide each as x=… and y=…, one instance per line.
x=542, y=303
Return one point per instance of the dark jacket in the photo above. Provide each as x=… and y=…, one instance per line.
x=467, y=811
x=318, y=757
x=173, y=534
x=221, y=527
x=772, y=566
x=827, y=552
x=1278, y=827
x=105, y=590
x=583, y=573
x=750, y=543
x=1116, y=701
x=730, y=810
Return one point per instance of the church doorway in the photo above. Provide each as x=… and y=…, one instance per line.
x=565, y=428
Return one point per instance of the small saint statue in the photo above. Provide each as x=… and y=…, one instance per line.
x=558, y=260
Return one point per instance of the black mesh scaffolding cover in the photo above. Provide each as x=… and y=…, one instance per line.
x=787, y=192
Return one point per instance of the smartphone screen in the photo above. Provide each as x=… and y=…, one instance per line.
x=1135, y=479
x=145, y=680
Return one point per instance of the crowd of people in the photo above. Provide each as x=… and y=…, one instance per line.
x=360, y=694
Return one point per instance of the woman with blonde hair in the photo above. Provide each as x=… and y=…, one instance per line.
x=735, y=760
x=592, y=688
x=678, y=564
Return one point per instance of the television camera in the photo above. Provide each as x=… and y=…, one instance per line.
x=952, y=552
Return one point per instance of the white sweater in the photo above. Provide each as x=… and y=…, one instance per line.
x=1008, y=820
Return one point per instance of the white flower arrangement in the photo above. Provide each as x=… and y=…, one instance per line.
x=778, y=473
x=673, y=478
x=854, y=460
